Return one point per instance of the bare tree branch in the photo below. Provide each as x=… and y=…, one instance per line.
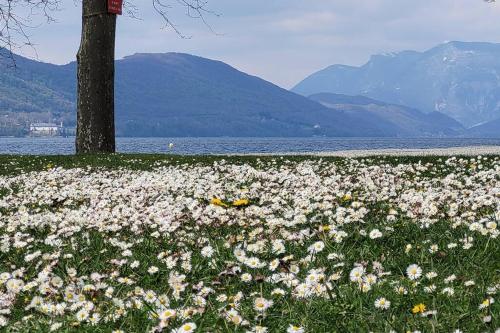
x=131, y=10
x=17, y=18
x=197, y=9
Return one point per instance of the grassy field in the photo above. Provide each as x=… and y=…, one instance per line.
x=152, y=243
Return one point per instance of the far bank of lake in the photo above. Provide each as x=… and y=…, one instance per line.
x=209, y=146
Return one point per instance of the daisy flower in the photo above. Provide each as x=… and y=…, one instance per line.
x=245, y=277
x=414, y=272
x=316, y=247
x=295, y=329
x=207, y=252
x=82, y=315
x=186, y=328
x=261, y=304
x=375, y=233
x=382, y=303
x=166, y=314
x=153, y=270
x=356, y=274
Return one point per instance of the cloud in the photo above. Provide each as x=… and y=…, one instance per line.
x=307, y=23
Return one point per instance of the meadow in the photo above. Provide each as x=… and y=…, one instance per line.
x=163, y=243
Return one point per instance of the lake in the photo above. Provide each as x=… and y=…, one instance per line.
x=205, y=146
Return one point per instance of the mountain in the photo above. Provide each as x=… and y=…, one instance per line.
x=176, y=94
x=490, y=129
x=183, y=95
x=35, y=90
x=459, y=79
x=170, y=94
x=390, y=119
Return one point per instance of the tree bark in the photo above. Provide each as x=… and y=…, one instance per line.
x=96, y=73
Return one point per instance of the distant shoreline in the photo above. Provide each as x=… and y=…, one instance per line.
x=263, y=146
x=453, y=151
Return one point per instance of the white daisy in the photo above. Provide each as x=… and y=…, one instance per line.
x=414, y=272
x=382, y=303
x=375, y=233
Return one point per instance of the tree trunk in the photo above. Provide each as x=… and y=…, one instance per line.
x=96, y=74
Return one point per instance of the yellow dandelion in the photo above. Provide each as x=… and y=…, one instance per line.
x=218, y=202
x=419, y=308
x=241, y=202
x=325, y=228
x=346, y=197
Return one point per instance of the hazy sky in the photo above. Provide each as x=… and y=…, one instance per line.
x=283, y=41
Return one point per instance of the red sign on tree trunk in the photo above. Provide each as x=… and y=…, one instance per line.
x=115, y=6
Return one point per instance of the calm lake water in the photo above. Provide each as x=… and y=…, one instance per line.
x=191, y=146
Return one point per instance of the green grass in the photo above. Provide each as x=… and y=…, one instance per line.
x=344, y=309
x=15, y=164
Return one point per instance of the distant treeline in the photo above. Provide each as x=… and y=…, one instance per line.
x=13, y=131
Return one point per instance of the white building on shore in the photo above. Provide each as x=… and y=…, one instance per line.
x=46, y=129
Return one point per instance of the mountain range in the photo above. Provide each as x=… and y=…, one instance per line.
x=390, y=119
x=174, y=94
x=459, y=79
